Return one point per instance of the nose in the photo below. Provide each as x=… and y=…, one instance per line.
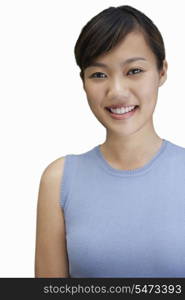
x=118, y=88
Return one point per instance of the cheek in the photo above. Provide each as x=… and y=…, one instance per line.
x=148, y=94
x=94, y=97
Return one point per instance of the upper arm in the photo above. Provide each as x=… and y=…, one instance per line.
x=50, y=250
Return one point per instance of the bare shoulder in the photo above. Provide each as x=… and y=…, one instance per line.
x=54, y=169
x=50, y=180
x=50, y=252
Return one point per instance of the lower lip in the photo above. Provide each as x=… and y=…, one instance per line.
x=123, y=116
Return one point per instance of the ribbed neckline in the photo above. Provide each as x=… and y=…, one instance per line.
x=134, y=172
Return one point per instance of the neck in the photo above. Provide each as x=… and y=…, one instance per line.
x=133, y=151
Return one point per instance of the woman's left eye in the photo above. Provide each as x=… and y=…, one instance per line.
x=135, y=70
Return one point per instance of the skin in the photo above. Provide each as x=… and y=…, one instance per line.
x=130, y=143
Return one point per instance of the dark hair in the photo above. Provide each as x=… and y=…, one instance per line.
x=105, y=30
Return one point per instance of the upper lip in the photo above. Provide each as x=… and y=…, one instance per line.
x=119, y=105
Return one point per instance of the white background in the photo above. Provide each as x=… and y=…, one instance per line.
x=44, y=112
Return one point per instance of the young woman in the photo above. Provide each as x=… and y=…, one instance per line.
x=118, y=209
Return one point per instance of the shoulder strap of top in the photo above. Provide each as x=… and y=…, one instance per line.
x=67, y=179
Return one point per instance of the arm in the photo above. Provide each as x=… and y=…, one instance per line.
x=50, y=250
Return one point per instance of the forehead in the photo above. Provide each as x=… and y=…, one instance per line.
x=133, y=45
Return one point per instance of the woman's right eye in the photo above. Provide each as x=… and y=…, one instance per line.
x=96, y=76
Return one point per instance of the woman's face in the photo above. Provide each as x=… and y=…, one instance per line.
x=129, y=83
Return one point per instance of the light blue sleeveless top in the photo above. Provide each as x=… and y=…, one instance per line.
x=125, y=223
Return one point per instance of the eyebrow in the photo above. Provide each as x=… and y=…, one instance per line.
x=129, y=60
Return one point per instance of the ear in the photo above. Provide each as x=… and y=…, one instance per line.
x=163, y=73
x=83, y=83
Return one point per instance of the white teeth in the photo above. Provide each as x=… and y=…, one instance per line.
x=122, y=110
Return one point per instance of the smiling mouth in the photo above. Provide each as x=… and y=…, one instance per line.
x=136, y=106
x=124, y=115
